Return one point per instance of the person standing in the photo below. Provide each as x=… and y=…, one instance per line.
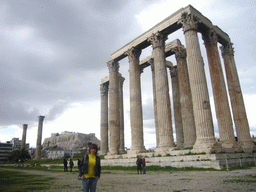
x=144, y=165
x=65, y=162
x=71, y=164
x=78, y=163
x=90, y=169
x=138, y=163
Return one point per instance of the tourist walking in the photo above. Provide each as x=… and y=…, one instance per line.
x=144, y=165
x=71, y=164
x=65, y=162
x=138, y=163
x=90, y=169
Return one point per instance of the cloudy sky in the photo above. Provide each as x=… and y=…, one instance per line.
x=54, y=54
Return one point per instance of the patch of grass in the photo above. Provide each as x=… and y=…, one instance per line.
x=16, y=181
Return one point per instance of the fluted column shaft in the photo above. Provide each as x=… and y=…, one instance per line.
x=186, y=104
x=222, y=108
x=24, y=135
x=39, y=137
x=236, y=98
x=164, y=116
x=151, y=61
x=114, y=111
x=104, y=118
x=136, y=118
x=176, y=107
x=121, y=147
x=201, y=103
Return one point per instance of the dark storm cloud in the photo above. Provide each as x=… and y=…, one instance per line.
x=55, y=52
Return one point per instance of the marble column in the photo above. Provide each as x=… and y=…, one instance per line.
x=151, y=62
x=187, y=115
x=104, y=118
x=136, y=118
x=24, y=135
x=164, y=116
x=223, y=114
x=121, y=82
x=236, y=98
x=205, y=141
x=177, y=108
x=39, y=137
x=114, y=112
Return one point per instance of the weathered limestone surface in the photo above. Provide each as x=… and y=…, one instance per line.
x=237, y=101
x=39, y=137
x=24, y=135
x=114, y=108
x=205, y=140
x=226, y=132
x=137, y=144
x=164, y=116
x=188, y=122
x=104, y=118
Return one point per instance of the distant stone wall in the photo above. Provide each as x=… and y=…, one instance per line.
x=67, y=140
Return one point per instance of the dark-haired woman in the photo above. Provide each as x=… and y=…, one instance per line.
x=90, y=169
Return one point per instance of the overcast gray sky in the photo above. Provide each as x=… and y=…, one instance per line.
x=54, y=54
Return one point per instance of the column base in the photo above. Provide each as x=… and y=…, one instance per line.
x=207, y=146
x=247, y=146
x=163, y=150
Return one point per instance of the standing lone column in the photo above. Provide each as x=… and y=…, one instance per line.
x=121, y=82
x=23, y=143
x=104, y=118
x=39, y=137
x=187, y=115
x=226, y=131
x=205, y=140
x=137, y=144
x=151, y=62
x=114, y=112
x=164, y=116
x=236, y=98
x=176, y=108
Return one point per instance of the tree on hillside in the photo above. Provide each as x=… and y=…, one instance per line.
x=19, y=155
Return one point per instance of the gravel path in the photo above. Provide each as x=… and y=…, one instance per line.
x=124, y=181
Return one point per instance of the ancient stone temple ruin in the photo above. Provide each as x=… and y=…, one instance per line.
x=69, y=140
x=191, y=103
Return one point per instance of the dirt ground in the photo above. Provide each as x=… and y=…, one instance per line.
x=123, y=181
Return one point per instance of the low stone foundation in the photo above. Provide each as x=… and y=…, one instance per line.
x=184, y=158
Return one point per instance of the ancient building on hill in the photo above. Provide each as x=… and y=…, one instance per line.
x=68, y=140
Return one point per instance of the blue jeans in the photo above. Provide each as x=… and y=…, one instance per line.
x=89, y=184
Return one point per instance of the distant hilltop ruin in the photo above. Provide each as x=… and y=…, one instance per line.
x=68, y=140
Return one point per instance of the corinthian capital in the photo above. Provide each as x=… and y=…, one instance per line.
x=189, y=22
x=104, y=89
x=157, y=40
x=133, y=54
x=210, y=37
x=180, y=52
x=113, y=66
x=227, y=49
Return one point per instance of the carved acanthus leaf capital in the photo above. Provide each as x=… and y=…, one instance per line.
x=189, y=22
x=180, y=52
x=158, y=40
x=227, y=50
x=210, y=37
x=104, y=89
x=113, y=66
x=133, y=54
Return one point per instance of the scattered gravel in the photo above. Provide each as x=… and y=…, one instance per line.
x=124, y=181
